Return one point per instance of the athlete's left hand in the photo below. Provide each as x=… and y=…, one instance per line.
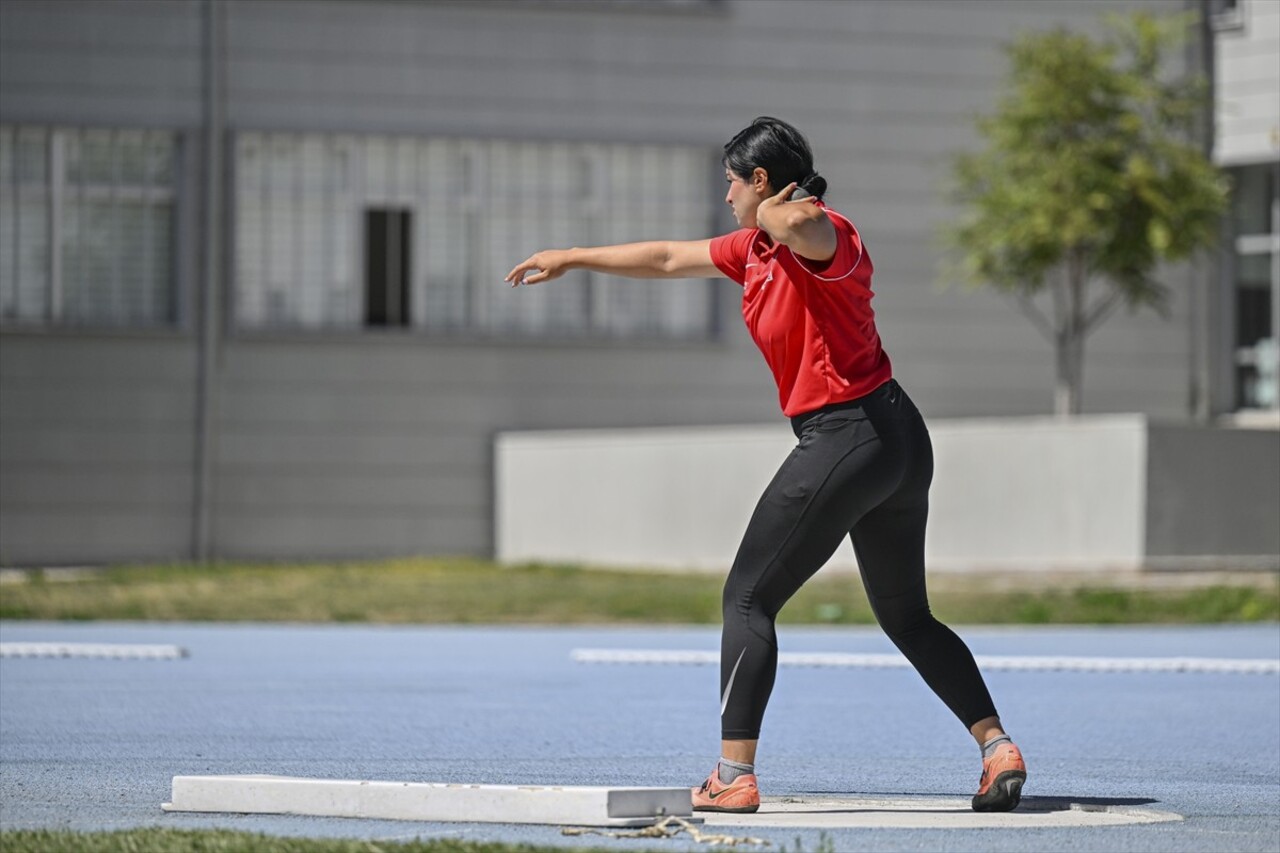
x=801, y=224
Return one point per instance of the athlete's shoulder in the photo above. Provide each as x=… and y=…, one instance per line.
x=730, y=252
x=850, y=253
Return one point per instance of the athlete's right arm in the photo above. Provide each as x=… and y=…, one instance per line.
x=658, y=259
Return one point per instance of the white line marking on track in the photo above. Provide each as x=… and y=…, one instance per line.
x=1024, y=663
x=113, y=651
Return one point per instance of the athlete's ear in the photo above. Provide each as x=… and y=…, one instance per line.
x=760, y=181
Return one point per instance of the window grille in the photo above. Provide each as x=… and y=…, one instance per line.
x=1255, y=220
x=1226, y=14
x=86, y=226
x=474, y=208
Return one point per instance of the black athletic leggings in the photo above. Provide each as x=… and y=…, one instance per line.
x=860, y=469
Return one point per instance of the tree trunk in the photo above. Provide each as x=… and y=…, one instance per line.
x=1069, y=387
x=1069, y=342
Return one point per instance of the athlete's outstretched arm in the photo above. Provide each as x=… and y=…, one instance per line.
x=658, y=259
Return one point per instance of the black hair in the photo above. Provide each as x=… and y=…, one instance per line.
x=778, y=148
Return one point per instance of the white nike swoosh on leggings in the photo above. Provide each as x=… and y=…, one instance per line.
x=728, y=688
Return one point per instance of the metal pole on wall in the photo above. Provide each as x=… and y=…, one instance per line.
x=1206, y=271
x=209, y=327
x=1274, y=367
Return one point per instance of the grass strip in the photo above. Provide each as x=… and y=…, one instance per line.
x=157, y=840
x=462, y=591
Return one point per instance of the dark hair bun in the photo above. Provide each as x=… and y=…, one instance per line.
x=815, y=184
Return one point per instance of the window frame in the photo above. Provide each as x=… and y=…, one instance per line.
x=475, y=325
x=1224, y=20
x=53, y=319
x=1256, y=244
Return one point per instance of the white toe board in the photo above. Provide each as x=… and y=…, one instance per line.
x=428, y=801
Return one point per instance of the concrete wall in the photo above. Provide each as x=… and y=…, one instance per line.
x=1104, y=492
x=1212, y=492
x=1038, y=493
x=639, y=497
x=345, y=445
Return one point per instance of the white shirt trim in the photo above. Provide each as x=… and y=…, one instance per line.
x=861, y=252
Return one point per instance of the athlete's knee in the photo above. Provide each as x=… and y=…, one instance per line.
x=901, y=619
x=742, y=604
x=740, y=598
x=734, y=591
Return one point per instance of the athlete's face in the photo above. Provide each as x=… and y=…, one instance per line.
x=745, y=195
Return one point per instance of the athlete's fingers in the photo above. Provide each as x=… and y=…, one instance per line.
x=517, y=274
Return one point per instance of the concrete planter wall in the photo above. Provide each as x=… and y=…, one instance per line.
x=1107, y=492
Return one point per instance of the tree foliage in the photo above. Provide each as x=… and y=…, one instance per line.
x=1089, y=180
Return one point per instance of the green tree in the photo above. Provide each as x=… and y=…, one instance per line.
x=1090, y=178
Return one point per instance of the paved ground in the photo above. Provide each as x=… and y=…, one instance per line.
x=94, y=743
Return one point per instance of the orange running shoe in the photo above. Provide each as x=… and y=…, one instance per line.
x=1003, y=775
x=741, y=796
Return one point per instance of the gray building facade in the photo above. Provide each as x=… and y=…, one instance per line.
x=254, y=249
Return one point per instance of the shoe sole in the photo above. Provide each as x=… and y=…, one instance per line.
x=1004, y=794
x=727, y=810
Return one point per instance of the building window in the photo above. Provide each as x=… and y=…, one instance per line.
x=336, y=231
x=1256, y=225
x=1226, y=14
x=387, y=242
x=87, y=226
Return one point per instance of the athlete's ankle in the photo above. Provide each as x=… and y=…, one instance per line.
x=989, y=748
x=729, y=770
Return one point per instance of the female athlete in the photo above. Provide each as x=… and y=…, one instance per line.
x=861, y=467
